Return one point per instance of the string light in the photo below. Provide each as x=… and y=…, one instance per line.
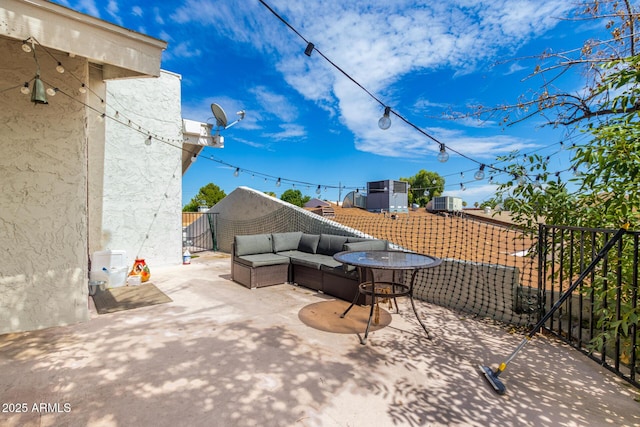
x=479, y=175
x=194, y=158
x=236, y=172
x=318, y=190
x=25, y=89
x=309, y=49
x=25, y=45
x=385, y=122
x=385, y=119
x=443, y=156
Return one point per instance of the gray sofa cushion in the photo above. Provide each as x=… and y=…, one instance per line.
x=260, y=260
x=330, y=244
x=366, y=245
x=286, y=241
x=309, y=243
x=253, y=244
x=314, y=261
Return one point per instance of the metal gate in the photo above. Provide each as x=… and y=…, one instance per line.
x=199, y=230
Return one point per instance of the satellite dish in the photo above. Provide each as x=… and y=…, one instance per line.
x=218, y=113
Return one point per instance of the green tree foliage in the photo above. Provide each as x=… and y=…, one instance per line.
x=606, y=168
x=424, y=186
x=208, y=196
x=294, y=197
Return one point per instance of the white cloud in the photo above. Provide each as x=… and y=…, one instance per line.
x=289, y=131
x=481, y=192
x=377, y=44
x=113, y=11
x=275, y=104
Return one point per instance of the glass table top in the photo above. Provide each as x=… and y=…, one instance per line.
x=391, y=260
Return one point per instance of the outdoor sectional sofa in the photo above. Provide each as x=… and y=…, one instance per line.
x=296, y=257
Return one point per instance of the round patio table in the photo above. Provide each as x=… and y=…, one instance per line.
x=368, y=261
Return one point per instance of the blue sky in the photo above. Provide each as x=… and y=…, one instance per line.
x=311, y=126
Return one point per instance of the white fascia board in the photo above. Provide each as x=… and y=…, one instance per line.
x=58, y=27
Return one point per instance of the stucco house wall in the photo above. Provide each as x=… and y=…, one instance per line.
x=68, y=189
x=43, y=191
x=142, y=184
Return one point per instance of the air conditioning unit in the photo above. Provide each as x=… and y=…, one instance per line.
x=446, y=203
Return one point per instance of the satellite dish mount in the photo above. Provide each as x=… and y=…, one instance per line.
x=221, y=117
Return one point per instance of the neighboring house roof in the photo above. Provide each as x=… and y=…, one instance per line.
x=120, y=52
x=316, y=203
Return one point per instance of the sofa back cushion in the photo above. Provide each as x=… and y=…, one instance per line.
x=309, y=243
x=286, y=241
x=253, y=244
x=331, y=244
x=366, y=245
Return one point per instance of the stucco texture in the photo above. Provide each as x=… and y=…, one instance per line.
x=43, y=193
x=142, y=186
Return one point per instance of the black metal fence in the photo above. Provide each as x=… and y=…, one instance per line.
x=199, y=231
x=600, y=317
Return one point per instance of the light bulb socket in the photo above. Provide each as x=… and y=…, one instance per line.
x=309, y=49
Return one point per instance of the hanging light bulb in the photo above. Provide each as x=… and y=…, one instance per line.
x=318, y=190
x=148, y=140
x=461, y=174
x=194, y=158
x=83, y=88
x=25, y=46
x=521, y=179
x=443, y=156
x=385, y=122
x=51, y=91
x=278, y=182
x=479, y=173
x=25, y=88
x=59, y=68
x=236, y=172
x=462, y=187
x=537, y=183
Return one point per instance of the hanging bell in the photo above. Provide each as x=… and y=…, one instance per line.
x=38, y=95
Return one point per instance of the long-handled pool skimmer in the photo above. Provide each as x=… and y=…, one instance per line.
x=493, y=376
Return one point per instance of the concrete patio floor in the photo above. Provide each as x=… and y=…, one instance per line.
x=224, y=355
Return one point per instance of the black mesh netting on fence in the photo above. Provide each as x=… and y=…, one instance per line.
x=488, y=269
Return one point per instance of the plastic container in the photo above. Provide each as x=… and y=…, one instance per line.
x=134, y=280
x=110, y=267
x=186, y=257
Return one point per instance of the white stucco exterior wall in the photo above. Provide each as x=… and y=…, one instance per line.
x=142, y=185
x=43, y=194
